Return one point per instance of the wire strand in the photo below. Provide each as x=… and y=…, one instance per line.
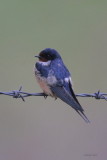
x=19, y=94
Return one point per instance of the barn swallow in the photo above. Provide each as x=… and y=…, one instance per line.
x=55, y=79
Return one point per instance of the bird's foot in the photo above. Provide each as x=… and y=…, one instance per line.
x=55, y=98
x=45, y=96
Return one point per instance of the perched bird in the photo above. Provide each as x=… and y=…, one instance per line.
x=55, y=79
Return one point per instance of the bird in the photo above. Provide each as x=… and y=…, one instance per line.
x=55, y=79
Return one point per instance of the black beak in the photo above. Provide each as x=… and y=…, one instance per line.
x=37, y=56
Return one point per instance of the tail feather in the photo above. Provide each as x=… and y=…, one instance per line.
x=81, y=113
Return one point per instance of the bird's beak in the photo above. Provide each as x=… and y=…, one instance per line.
x=37, y=56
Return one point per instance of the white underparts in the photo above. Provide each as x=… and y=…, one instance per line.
x=44, y=83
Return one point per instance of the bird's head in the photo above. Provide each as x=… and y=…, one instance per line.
x=48, y=54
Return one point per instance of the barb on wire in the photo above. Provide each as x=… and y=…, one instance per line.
x=22, y=95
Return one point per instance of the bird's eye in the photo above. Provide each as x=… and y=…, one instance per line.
x=48, y=56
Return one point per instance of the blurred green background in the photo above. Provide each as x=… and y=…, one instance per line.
x=40, y=129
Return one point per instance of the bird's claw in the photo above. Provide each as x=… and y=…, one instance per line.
x=45, y=96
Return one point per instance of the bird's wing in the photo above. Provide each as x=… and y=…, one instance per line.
x=69, y=98
x=64, y=95
x=72, y=92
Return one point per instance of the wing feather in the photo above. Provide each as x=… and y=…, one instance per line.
x=71, y=100
x=64, y=95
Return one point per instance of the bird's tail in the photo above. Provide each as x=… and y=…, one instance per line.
x=81, y=113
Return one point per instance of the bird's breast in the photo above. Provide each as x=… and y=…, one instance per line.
x=43, y=82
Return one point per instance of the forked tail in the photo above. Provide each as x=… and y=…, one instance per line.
x=81, y=113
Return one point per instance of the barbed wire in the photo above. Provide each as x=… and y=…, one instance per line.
x=19, y=94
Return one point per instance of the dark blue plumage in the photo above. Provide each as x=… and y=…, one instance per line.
x=55, y=79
